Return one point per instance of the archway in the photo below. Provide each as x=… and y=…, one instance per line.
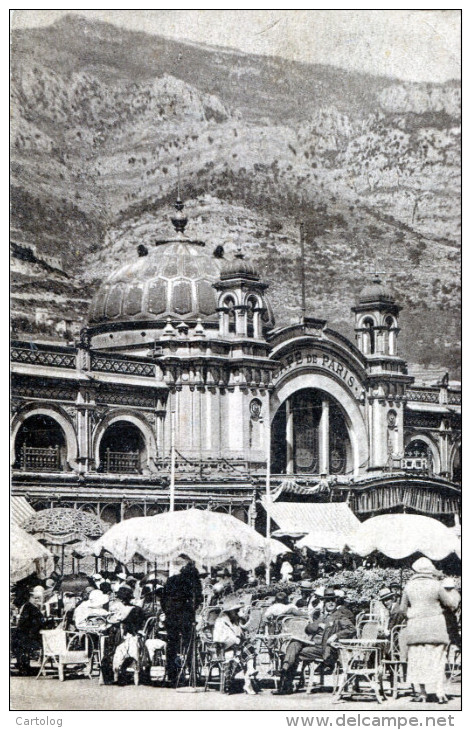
x=122, y=449
x=40, y=445
x=310, y=435
x=59, y=419
x=348, y=426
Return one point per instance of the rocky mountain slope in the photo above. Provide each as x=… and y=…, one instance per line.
x=370, y=165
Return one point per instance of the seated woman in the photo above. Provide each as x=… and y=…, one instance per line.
x=91, y=615
x=238, y=653
x=126, y=644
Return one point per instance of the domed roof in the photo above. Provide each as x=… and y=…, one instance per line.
x=239, y=267
x=375, y=291
x=174, y=280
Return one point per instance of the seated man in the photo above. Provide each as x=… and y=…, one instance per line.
x=281, y=607
x=336, y=622
x=389, y=614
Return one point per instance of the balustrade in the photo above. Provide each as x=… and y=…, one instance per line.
x=121, y=462
x=33, y=458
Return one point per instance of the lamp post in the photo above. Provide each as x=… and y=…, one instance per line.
x=172, y=461
x=268, y=499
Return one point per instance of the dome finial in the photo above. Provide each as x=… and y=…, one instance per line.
x=179, y=220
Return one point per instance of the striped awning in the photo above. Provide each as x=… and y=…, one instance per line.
x=20, y=510
x=323, y=518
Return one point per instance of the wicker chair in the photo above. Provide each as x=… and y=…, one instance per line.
x=65, y=649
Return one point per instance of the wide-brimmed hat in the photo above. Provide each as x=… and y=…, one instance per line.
x=385, y=593
x=424, y=566
x=330, y=595
x=121, y=575
x=305, y=585
x=319, y=591
x=97, y=599
x=97, y=577
x=232, y=603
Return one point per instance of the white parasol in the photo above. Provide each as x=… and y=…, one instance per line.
x=401, y=535
x=209, y=538
x=28, y=556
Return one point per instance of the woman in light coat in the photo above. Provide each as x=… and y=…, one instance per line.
x=423, y=601
x=238, y=654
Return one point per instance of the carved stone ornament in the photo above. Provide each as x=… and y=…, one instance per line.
x=255, y=408
x=392, y=418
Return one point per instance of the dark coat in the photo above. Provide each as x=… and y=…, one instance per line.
x=182, y=593
x=424, y=600
x=134, y=621
x=340, y=622
x=30, y=623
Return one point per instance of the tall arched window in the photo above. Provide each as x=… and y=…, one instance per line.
x=309, y=435
x=251, y=304
x=229, y=304
x=369, y=335
x=390, y=323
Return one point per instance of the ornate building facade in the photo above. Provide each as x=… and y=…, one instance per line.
x=182, y=341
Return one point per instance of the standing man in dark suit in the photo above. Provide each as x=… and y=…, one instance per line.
x=181, y=596
x=27, y=638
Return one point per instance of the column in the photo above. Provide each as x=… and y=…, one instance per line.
x=241, y=323
x=324, y=438
x=289, y=437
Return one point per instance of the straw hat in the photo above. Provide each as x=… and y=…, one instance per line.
x=232, y=603
x=97, y=599
x=425, y=567
x=385, y=593
x=38, y=592
x=330, y=595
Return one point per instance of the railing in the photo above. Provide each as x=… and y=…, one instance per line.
x=42, y=357
x=100, y=363
x=40, y=459
x=423, y=395
x=454, y=398
x=121, y=462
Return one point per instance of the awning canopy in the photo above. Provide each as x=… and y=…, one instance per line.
x=20, y=510
x=334, y=520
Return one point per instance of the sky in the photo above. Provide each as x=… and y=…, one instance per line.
x=414, y=45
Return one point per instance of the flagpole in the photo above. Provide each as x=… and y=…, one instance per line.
x=172, y=461
x=268, y=500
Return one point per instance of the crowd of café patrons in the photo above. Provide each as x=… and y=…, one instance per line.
x=189, y=606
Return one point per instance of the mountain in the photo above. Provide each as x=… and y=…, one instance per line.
x=370, y=165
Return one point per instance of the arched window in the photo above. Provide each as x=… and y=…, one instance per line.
x=230, y=314
x=122, y=449
x=418, y=455
x=369, y=335
x=391, y=335
x=40, y=445
x=251, y=304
